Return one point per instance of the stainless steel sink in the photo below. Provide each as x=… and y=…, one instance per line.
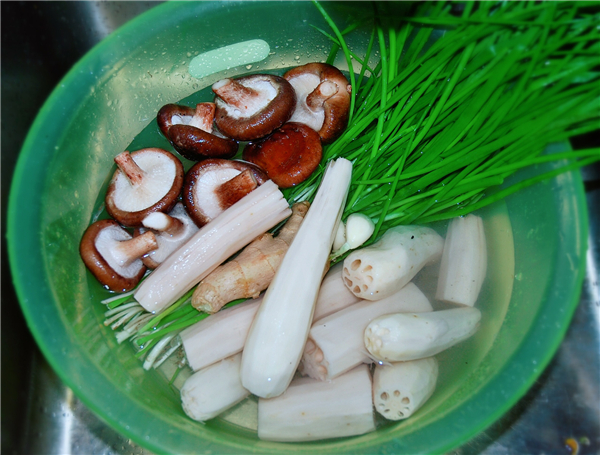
x=40, y=42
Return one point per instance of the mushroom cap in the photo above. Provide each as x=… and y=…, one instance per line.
x=173, y=114
x=162, y=181
x=95, y=250
x=168, y=243
x=191, y=132
x=202, y=182
x=289, y=155
x=255, y=118
x=195, y=144
x=331, y=119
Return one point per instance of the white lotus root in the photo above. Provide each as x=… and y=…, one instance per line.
x=310, y=410
x=336, y=343
x=464, y=261
x=400, y=388
x=385, y=267
x=214, y=389
x=225, y=332
x=410, y=336
x=333, y=294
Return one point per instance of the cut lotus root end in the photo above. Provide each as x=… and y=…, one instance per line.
x=392, y=412
x=358, y=277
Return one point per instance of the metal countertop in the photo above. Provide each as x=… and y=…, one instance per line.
x=40, y=42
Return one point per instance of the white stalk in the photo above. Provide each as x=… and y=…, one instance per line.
x=157, y=350
x=311, y=410
x=237, y=226
x=400, y=388
x=117, y=297
x=131, y=328
x=211, y=391
x=279, y=330
x=220, y=335
x=335, y=343
x=385, y=267
x=333, y=294
x=464, y=261
x=173, y=346
x=400, y=337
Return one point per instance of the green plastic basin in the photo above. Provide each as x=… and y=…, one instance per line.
x=537, y=241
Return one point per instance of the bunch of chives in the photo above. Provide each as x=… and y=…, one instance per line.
x=437, y=128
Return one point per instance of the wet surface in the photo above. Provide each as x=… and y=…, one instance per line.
x=558, y=413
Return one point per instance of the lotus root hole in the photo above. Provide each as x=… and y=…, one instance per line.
x=348, y=282
x=356, y=289
x=369, y=278
x=387, y=410
x=368, y=268
x=365, y=287
x=405, y=400
x=400, y=414
x=355, y=264
x=384, y=396
x=346, y=272
x=396, y=393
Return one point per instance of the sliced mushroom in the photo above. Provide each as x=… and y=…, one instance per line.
x=289, y=155
x=253, y=106
x=171, y=231
x=147, y=180
x=113, y=256
x=323, y=99
x=191, y=132
x=211, y=186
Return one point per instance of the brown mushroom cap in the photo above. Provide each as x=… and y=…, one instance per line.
x=171, y=230
x=253, y=106
x=148, y=180
x=173, y=114
x=289, y=155
x=213, y=185
x=110, y=253
x=191, y=132
x=195, y=144
x=323, y=99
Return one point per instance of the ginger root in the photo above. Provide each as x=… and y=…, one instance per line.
x=251, y=271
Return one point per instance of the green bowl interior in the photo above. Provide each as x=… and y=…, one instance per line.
x=113, y=94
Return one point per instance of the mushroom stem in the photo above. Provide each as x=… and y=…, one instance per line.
x=127, y=251
x=233, y=190
x=162, y=222
x=129, y=167
x=319, y=95
x=234, y=93
x=204, y=116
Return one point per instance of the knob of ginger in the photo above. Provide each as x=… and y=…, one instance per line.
x=252, y=270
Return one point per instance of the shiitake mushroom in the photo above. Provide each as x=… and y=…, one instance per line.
x=251, y=107
x=192, y=134
x=323, y=99
x=213, y=185
x=147, y=180
x=289, y=155
x=114, y=256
